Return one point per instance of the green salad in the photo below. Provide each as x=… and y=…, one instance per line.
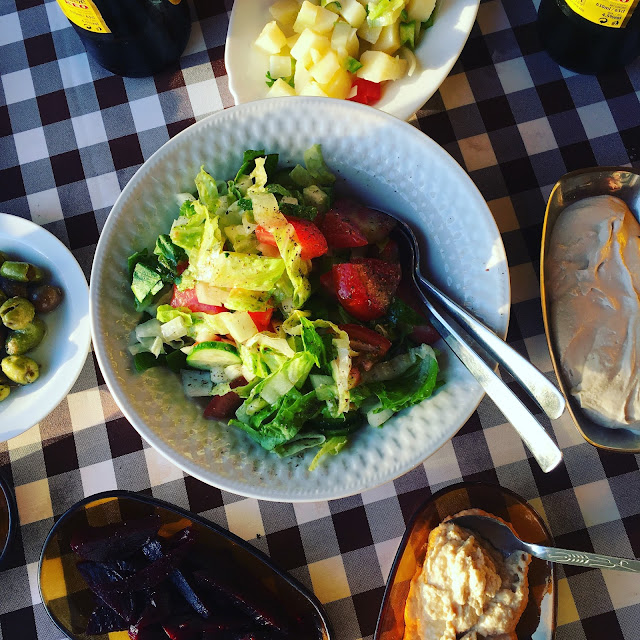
x=282, y=305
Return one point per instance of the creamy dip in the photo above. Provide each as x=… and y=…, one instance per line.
x=593, y=283
x=466, y=589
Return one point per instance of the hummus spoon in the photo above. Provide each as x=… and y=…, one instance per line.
x=505, y=541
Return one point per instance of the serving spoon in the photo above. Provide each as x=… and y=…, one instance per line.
x=505, y=541
x=543, y=448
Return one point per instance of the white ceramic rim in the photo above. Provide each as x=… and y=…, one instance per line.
x=188, y=466
x=48, y=245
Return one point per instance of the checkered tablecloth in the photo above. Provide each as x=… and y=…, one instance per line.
x=72, y=135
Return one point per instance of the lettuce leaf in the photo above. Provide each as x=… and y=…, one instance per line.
x=207, y=190
x=332, y=446
x=384, y=12
x=413, y=386
x=316, y=165
x=166, y=313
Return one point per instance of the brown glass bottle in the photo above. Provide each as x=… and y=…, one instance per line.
x=131, y=37
x=602, y=43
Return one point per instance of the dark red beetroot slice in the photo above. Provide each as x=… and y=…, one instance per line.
x=156, y=610
x=253, y=605
x=218, y=627
x=114, y=541
x=104, y=581
x=103, y=619
x=155, y=551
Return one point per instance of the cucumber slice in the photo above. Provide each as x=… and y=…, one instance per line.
x=210, y=354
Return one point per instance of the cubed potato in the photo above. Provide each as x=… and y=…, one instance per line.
x=316, y=56
x=285, y=11
x=291, y=41
x=280, y=88
x=280, y=66
x=345, y=37
x=370, y=34
x=310, y=16
x=308, y=40
x=340, y=85
x=301, y=77
x=271, y=39
x=324, y=70
x=312, y=89
x=378, y=66
x=353, y=12
x=389, y=40
x=420, y=10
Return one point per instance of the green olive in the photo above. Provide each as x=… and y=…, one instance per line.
x=19, y=342
x=16, y=313
x=21, y=271
x=4, y=391
x=13, y=289
x=20, y=369
x=45, y=298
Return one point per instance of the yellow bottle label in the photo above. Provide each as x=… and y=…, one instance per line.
x=84, y=14
x=608, y=13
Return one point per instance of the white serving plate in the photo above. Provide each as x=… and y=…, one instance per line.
x=387, y=164
x=437, y=52
x=63, y=351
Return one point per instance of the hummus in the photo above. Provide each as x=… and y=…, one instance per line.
x=466, y=589
x=593, y=283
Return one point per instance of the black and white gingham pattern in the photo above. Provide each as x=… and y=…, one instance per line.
x=72, y=135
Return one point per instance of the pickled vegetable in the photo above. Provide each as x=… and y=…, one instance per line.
x=16, y=313
x=45, y=298
x=24, y=340
x=20, y=369
x=21, y=271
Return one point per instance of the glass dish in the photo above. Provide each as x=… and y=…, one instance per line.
x=8, y=520
x=623, y=183
x=69, y=602
x=538, y=622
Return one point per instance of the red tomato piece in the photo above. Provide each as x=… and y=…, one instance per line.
x=366, y=286
x=373, y=225
x=328, y=284
x=307, y=233
x=424, y=334
x=354, y=378
x=189, y=300
x=367, y=92
x=224, y=407
x=365, y=340
x=340, y=232
x=262, y=319
x=390, y=252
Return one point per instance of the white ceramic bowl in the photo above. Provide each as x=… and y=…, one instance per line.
x=437, y=52
x=384, y=162
x=63, y=351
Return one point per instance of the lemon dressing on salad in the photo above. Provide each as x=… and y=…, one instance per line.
x=279, y=303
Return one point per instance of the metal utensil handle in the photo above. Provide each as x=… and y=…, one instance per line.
x=543, y=448
x=529, y=377
x=584, y=559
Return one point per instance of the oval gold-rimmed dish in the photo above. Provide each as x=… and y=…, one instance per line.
x=539, y=617
x=8, y=520
x=69, y=602
x=620, y=182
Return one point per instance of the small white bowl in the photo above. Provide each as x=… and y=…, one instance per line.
x=437, y=52
x=63, y=351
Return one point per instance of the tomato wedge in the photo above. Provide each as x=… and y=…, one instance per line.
x=366, y=286
x=373, y=225
x=309, y=236
x=424, y=334
x=189, y=300
x=262, y=319
x=224, y=407
x=340, y=232
x=367, y=92
x=365, y=340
